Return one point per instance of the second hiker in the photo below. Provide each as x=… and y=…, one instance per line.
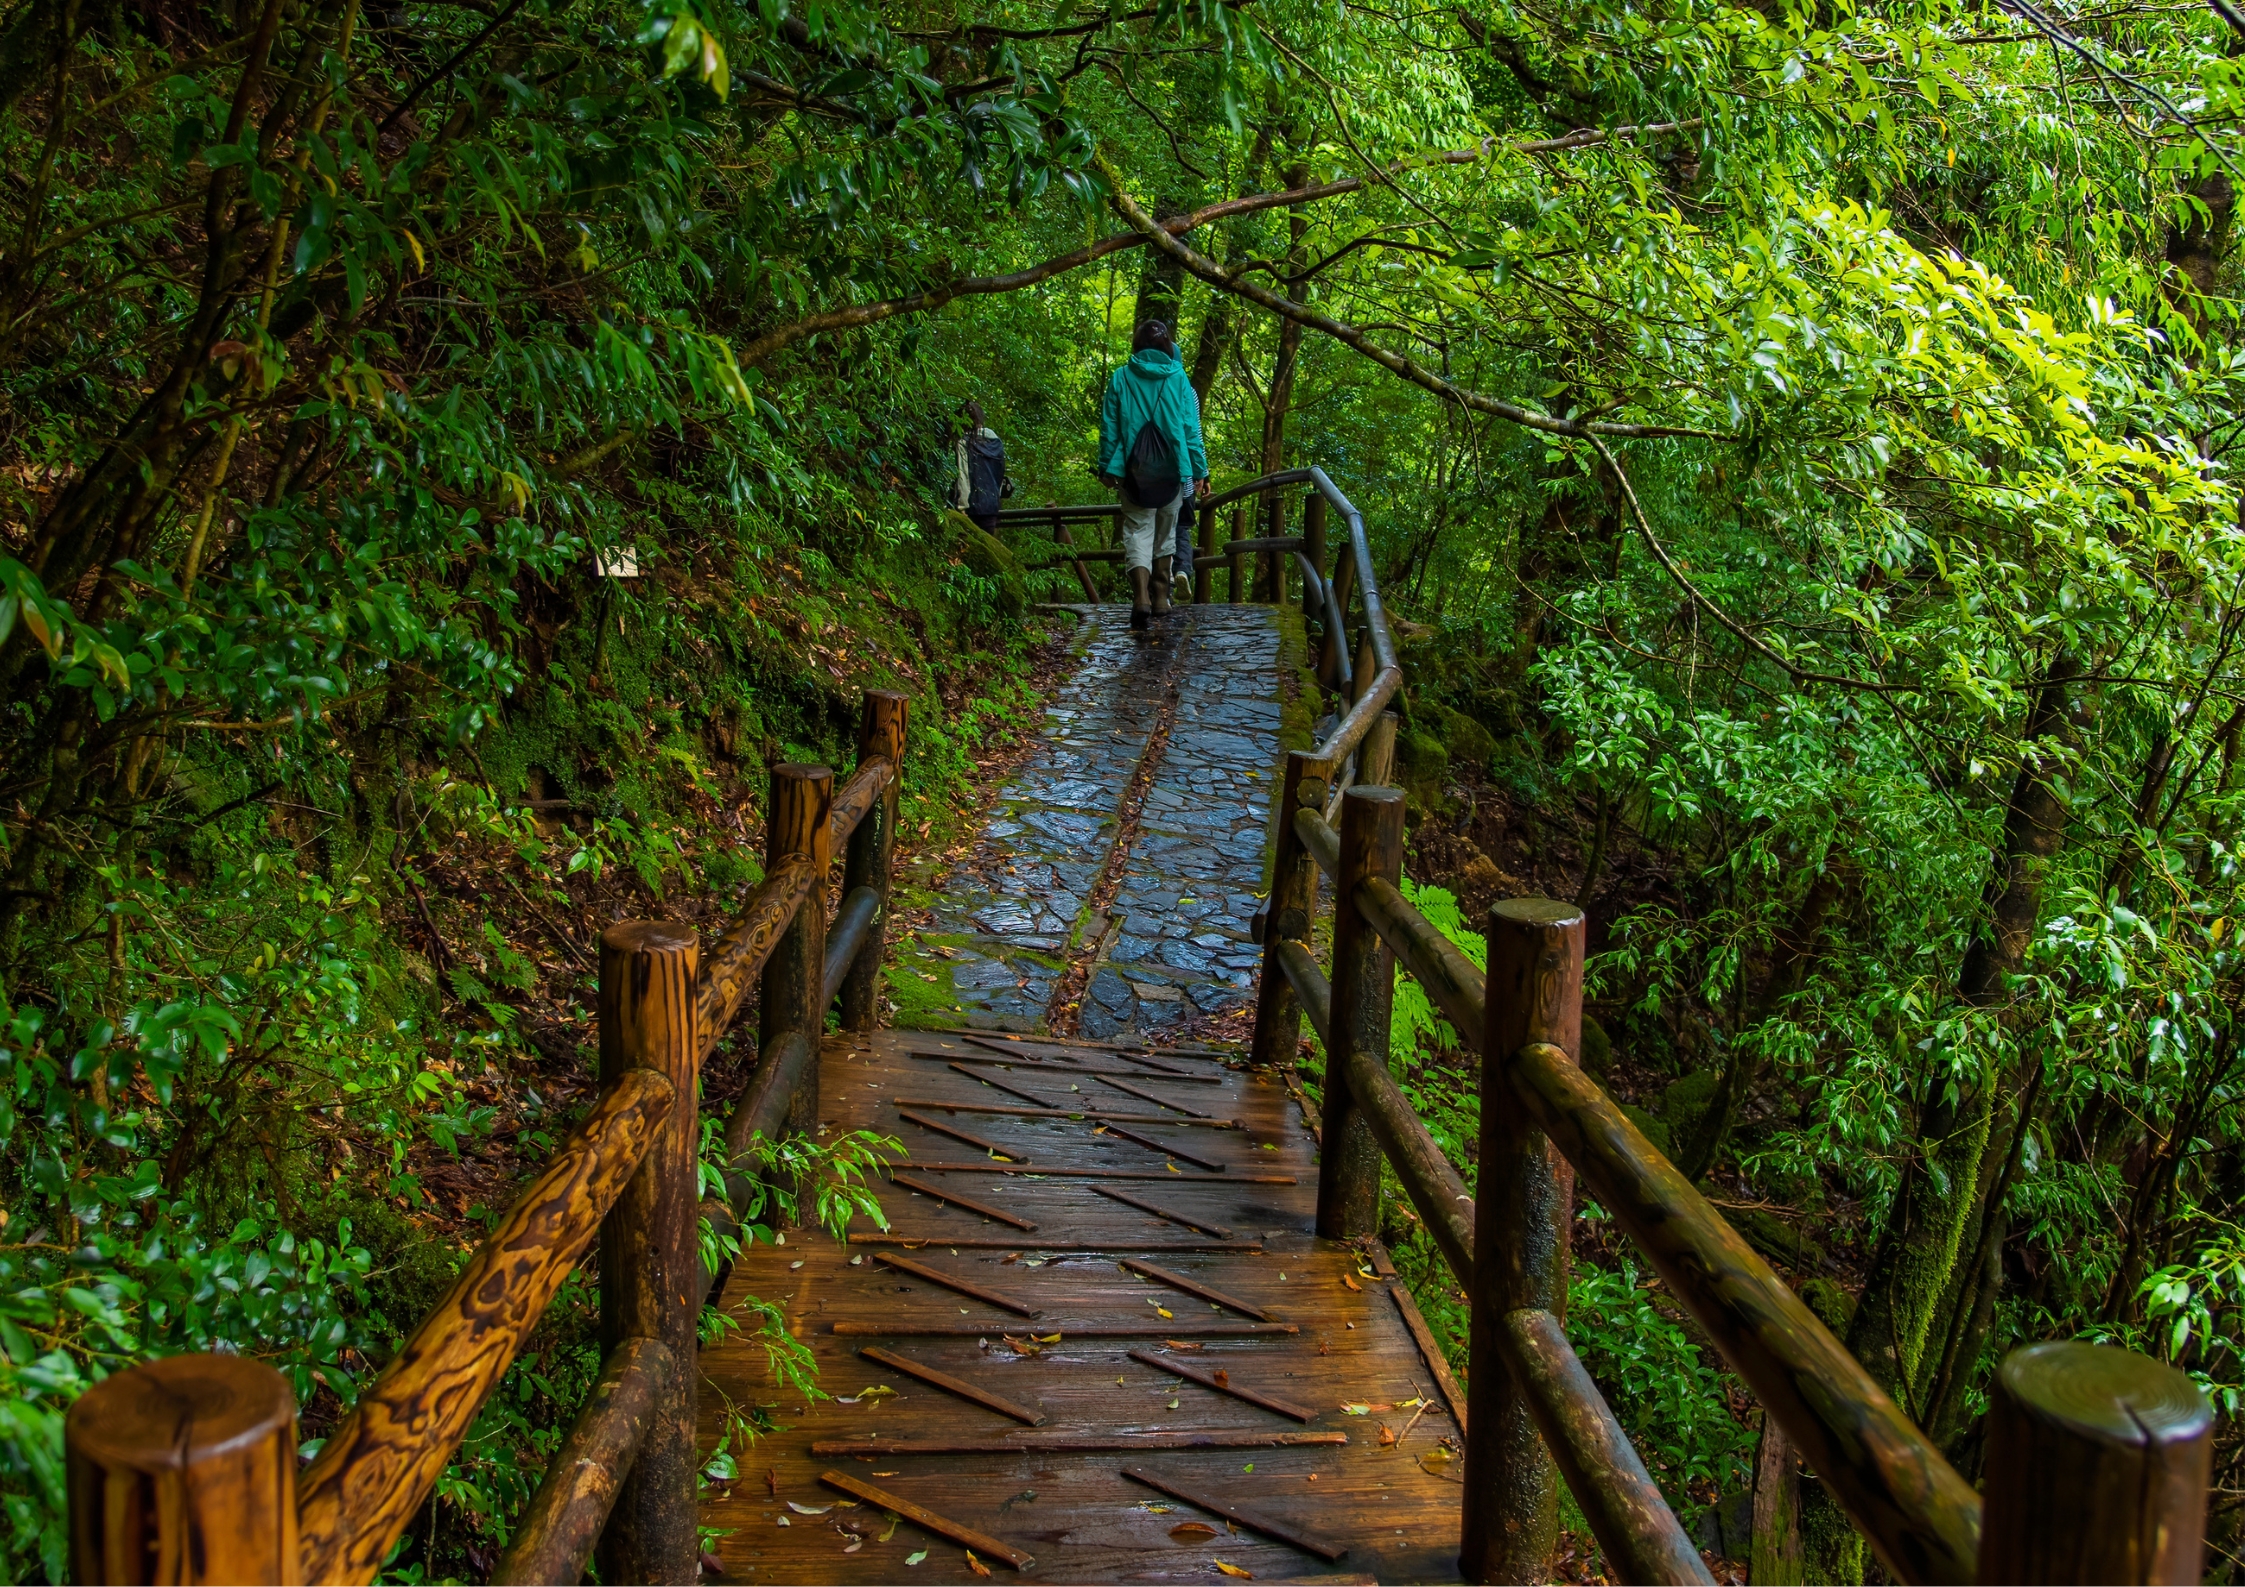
x=1151, y=456
x=982, y=484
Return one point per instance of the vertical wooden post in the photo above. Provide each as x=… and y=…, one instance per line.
x=1330, y=649
x=1235, y=578
x=1204, y=579
x=871, y=852
x=1270, y=576
x=1061, y=536
x=1313, y=547
x=1376, y=760
x=1367, y=663
x=651, y=1278
x=1348, y=1163
x=2097, y=1467
x=799, y=824
x=1523, y=1203
x=184, y=1471
x=1288, y=912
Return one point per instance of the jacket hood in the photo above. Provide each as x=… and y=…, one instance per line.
x=1153, y=364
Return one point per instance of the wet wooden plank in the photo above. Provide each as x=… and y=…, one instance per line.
x=1193, y=1286
x=1050, y=1111
x=1057, y=1491
x=919, y=1515
x=1207, y=1163
x=968, y=1287
x=1217, y=1504
x=1027, y=1416
x=1220, y=1379
x=958, y=1134
x=1054, y=1171
x=968, y=1203
x=1144, y=1095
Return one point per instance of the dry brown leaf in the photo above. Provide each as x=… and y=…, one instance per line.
x=1351, y=1283
x=1223, y=1379
x=1387, y=1435
x=976, y=1565
x=1181, y=1344
x=1009, y=1259
x=1191, y=1531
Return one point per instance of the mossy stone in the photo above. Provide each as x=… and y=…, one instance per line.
x=1423, y=764
x=1834, y=1306
x=1777, y=1239
x=987, y=556
x=1653, y=1128
x=1467, y=741
x=1685, y=1102
x=1597, y=1049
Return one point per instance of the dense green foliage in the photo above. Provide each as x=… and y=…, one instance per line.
x=1810, y=513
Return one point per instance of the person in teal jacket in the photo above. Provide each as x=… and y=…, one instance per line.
x=1152, y=389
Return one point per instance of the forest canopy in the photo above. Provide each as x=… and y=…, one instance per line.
x=1794, y=438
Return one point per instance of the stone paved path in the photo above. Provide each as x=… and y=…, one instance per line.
x=1175, y=940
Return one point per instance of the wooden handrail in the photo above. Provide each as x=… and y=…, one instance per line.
x=1921, y=1517
x=354, y=1501
x=555, y=1534
x=1619, y=1499
x=855, y=797
x=846, y=935
x=739, y=957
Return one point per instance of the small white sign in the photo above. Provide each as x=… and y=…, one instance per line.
x=621, y=563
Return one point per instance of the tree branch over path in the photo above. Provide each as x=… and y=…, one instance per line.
x=1349, y=336
x=858, y=314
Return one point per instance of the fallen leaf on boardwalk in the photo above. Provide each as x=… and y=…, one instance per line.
x=1357, y=1409
x=792, y=1266
x=890, y=1530
x=1223, y=1378
x=888, y=1474
x=1181, y=1344
x=1351, y=1283
x=855, y=1260
x=875, y=1392
x=1191, y=1531
x=1436, y=1460
x=1166, y=1312
x=1023, y=1347
x=1387, y=1435
x=852, y=1548
x=976, y=1565
x=1172, y=1167
x=1047, y=1339
x=772, y=1480
x=1173, y=1405
x=808, y=1509
x=1009, y=1259
x=711, y=1564
x=914, y=1559
x=785, y=1522
x=1234, y=1570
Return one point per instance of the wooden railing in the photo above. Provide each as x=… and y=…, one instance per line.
x=2097, y=1458
x=185, y=1469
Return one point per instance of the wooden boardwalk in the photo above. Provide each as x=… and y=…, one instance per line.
x=1068, y=1334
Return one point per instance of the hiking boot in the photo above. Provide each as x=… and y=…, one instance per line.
x=1161, y=583
x=1140, y=607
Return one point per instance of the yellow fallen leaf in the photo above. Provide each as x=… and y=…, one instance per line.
x=1436, y=1460
x=1166, y=1312
x=1351, y=1283
x=1234, y=1570
x=1191, y=1531
x=976, y=1565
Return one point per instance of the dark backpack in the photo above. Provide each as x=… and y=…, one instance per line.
x=1150, y=474
x=986, y=473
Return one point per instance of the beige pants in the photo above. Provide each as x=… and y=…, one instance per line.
x=1145, y=528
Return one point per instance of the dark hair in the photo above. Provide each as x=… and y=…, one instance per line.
x=1153, y=333
x=974, y=414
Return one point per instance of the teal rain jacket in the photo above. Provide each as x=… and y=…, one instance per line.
x=1152, y=387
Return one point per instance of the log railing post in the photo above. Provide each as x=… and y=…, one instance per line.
x=1523, y=1203
x=799, y=824
x=1292, y=904
x=1348, y=1164
x=871, y=853
x=1376, y=760
x=1270, y=568
x=1235, y=576
x=651, y=1278
x=2097, y=1467
x=184, y=1471
x=1204, y=579
x=1062, y=537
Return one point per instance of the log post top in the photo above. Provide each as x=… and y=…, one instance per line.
x=649, y=937
x=172, y=1413
x=2112, y=1396
x=1537, y=914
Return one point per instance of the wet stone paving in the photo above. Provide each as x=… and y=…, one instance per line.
x=1175, y=940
